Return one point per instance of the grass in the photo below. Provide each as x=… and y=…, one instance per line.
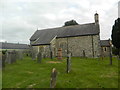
x=85, y=73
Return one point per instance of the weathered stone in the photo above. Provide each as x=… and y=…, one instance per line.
x=33, y=56
x=0, y=59
x=19, y=55
x=84, y=53
x=3, y=60
x=39, y=57
x=77, y=44
x=14, y=56
x=110, y=55
x=59, y=54
x=51, y=55
x=53, y=78
x=11, y=58
x=68, y=62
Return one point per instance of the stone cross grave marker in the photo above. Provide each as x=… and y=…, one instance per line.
x=39, y=57
x=68, y=62
x=53, y=78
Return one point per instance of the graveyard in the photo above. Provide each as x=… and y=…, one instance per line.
x=84, y=73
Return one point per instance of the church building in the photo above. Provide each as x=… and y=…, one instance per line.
x=81, y=40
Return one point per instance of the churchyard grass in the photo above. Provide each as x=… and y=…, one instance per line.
x=85, y=73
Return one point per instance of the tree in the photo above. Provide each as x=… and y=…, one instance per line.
x=71, y=22
x=116, y=34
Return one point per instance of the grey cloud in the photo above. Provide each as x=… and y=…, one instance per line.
x=21, y=19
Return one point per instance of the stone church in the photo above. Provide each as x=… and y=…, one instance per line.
x=81, y=40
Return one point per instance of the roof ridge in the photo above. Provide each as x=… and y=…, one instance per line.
x=64, y=26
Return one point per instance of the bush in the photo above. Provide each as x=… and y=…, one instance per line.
x=4, y=51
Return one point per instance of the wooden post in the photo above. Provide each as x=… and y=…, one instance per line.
x=68, y=62
x=53, y=78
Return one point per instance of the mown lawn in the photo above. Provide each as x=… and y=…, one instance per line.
x=85, y=73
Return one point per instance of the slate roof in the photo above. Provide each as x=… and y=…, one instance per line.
x=104, y=43
x=43, y=37
x=4, y=45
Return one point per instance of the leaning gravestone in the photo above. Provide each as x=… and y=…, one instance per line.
x=68, y=62
x=53, y=78
x=39, y=57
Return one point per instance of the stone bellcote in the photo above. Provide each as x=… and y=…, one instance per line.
x=96, y=17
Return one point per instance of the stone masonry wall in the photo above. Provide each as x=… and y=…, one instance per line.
x=78, y=45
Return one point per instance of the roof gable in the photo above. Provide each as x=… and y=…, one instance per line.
x=46, y=35
x=105, y=43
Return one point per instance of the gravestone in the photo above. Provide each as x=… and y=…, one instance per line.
x=0, y=59
x=11, y=57
x=39, y=57
x=19, y=55
x=51, y=55
x=84, y=53
x=110, y=55
x=59, y=56
x=33, y=55
x=14, y=56
x=53, y=78
x=3, y=60
x=68, y=62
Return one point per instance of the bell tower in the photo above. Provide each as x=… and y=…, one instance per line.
x=96, y=17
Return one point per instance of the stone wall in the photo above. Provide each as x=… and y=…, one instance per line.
x=105, y=51
x=77, y=45
x=81, y=46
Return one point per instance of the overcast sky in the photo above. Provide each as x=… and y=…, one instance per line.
x=19, y=19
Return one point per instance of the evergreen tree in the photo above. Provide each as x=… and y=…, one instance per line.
x=116, y=34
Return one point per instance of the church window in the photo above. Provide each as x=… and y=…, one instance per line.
x=105, y=49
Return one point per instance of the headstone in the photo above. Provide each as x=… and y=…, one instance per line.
x=53, y=78
x=11, y=57
x=59, y=56
x=39, y=57
x=110, y=53
x=14, y=56
x=3, y=60
x=68, y=62
x=51, y=55
x=19, y=55
x=0, y=59
x=84, y=53
x=33, y=55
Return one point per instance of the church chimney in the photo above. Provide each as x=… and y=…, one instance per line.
x=96, y=17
